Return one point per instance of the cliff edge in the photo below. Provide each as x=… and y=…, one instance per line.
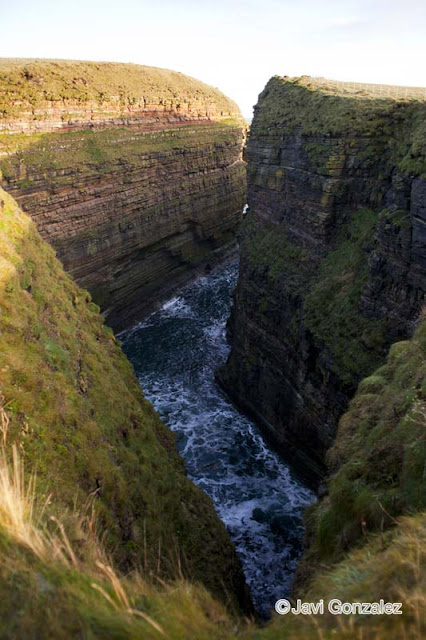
x=134, y=174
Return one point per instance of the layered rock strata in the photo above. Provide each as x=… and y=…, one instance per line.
x=133, y=174
x=333, y=260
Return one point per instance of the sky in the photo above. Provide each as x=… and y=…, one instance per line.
x=235, y=45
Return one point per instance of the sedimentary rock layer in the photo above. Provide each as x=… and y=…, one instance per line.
x=41, y=95
x=133, y=174
x=333, y=258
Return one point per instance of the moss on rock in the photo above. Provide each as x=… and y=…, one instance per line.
x=77, y=413
x=377, y=463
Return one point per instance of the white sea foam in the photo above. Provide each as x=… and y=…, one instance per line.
x=175, y=352
x=176, y=307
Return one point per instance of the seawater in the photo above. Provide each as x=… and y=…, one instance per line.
x=175, y=353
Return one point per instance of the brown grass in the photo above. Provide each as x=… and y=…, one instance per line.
x=25, y=519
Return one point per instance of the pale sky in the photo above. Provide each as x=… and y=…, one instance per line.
x=235, y=45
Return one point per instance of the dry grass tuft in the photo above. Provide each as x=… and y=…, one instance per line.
x=26, y=522
x=22, y=514
x=18, y=512
x=4, y=421
x=123, y=603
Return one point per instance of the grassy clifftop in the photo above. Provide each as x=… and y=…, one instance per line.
x=76, y=413
x=41, y=96
x=27, y=85
x=394, y=118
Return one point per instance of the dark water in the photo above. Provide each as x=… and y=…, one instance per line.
x=175, y=352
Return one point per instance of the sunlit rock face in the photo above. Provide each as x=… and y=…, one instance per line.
x=133, y=174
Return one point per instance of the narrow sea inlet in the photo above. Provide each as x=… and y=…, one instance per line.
x=175, y=353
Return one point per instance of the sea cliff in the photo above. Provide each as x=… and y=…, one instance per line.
x=103, y=536
x=133, y=174
x=333, y=253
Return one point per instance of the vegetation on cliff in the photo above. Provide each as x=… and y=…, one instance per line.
x=28, y=86
x=58, y=582
x=333, y=305
x=349, y=133
x=72, y=411
x=59, y=156
x=76, y=412
x=376, y=466
x=331, y=292
x=390, y=566
x=393, y=119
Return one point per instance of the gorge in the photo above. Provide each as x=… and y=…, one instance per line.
x=135, y=176
x=175, y=353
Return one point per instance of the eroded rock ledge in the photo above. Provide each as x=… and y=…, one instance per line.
x=333, y=264
x=133, y=174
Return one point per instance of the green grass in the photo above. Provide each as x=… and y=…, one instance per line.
x=58, y=600
x=330, y=288
x=331, y=310
x=77, y=413
x=377, y=462
x=96, y=151
x=270, y=248
x=391, y=127
x=112, y=86
x=54, y=600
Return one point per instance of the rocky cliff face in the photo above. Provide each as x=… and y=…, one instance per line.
x=133, y=174
x=333, y=258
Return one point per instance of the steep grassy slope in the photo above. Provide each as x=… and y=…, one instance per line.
x=366, y=537
x=56, y=581
x=389, y=567
x=134, y=174
x=333, y=265
x=78, y=416
x=377, y=463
